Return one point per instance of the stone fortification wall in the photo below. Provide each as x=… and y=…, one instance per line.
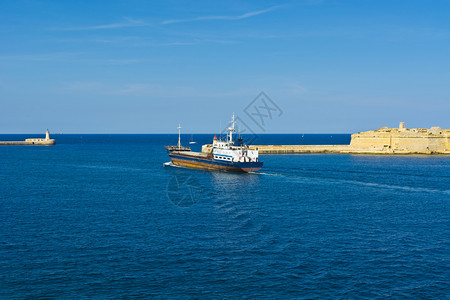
x=402, y=140
x=447, y=139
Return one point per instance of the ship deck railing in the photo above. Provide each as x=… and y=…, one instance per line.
x=193, y=154
x=176, y=148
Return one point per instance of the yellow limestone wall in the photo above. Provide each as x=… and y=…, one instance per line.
x=402, y=140
x=447, y=139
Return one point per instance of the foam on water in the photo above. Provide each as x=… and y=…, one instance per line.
x=368, y=184
x=171, y=164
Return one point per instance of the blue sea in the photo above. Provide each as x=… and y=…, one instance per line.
x=100, y=216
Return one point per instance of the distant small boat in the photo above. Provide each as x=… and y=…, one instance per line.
x=192, y=140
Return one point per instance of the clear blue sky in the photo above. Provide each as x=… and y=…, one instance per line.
x=145, y=66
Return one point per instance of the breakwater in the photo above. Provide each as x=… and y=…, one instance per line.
x=384, y=140
x=30, y=142
x=20, y=143
x=293, y=149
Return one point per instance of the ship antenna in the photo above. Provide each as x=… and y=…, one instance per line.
x=232, y=121
x=179, y=136
x=231, y=129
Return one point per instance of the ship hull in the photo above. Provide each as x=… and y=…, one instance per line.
x=209, y=164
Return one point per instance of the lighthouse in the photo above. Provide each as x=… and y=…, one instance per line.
x=46, y=141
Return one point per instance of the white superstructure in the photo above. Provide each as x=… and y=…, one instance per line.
x=226, y=150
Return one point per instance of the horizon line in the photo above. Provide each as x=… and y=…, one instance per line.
x=117, y=133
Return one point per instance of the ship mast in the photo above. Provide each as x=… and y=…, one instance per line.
x=179, y=136
x=230, y=131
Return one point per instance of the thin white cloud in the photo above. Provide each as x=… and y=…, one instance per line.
x=156, y=90
x=195, y=42
x=129, y=22
x=73, y=57
x=41, y=57
x=238, y=17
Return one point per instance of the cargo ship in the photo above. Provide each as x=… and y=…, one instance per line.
x=224, y=155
